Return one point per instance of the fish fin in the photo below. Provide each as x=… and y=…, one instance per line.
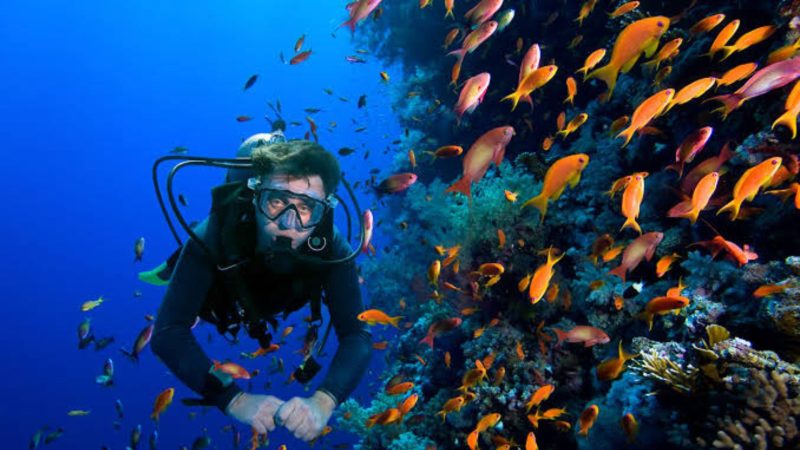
x=514, y=97
x=730, y=102
x=463, y=185
x=630, y=222
x=651, y=48
x=608, y=74
x=560, y=335
x=539, y=202
x=732, y=206
x=727, y=51
x=427, y=340
x=350, y=24
x=620, y=271
x=395, y=320
x=789, y=120
x=627, y=133
x=647, y=317
x=450, y=15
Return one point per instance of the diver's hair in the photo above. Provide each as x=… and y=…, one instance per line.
x=298, y=158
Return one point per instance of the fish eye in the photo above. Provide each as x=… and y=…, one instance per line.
x=659, y=24
x=774, y=161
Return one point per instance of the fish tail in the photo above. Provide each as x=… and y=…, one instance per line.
x=560, y=335
x=789, y=120
x=630, y=222
x=395, y=320
x=427, y=340
x=539, y=202
x=350, y=24
x=443, y=414
x=620, y=271
x=732, y=206
x=727, y=51
x=608, y=74
x=514, y=97
x=627, y=133
x=647, y=317
x=729, y=103
x=463, y=185
x=455, y=72
x=692, y=215
x=449, y=14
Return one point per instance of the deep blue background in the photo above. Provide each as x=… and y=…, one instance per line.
x=91, y=93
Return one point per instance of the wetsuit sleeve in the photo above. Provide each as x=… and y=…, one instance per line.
x=343, y=298
x=173, y=341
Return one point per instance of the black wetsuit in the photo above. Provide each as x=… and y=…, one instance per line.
x=174, y=343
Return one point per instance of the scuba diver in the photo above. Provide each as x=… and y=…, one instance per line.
x=268, y=247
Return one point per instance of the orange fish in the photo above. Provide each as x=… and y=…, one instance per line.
x=389, y=416
x=600, y=246
x=623, y=9
x=439, y=327
x=707, y=24
x=561, y=120
x=587, y=419
x=737, y=74
x=617, y=125
x=632, y=202
x=650, y=108
x=630, y=426
x=639, y=37
x=446, y=151
x=723, y=37
x=540, y=395
x=375, y=316
x=589, y=336
x=785, y=52
x=573, y=125
x=234, y=370
x=793, y=189
x=532, y=81
x=662, y=305
x=471, y=42
x=612, y=253
x=770, y=289
x=665, y=263
x=501, y=238
x=300, y=57
x=751, y=181
x=691, y=91
x=163, y=400
x=399, y=388
x=452, y=405
x=450, y=37
x=473, y=376
x=668, y=51
x=510, y=196
x=611, y=368
x=408, y=404
x=382, y=345
x=591, y=61
x=642, y=247
x=541, y=278
x=487, y=421
x=359, y=10
x=563, y=172
x=702, y=194
x=774, y=76
x=572, y=89
x=792, y=107
x=586, y=9
x=299, y=44
x=737, y=254
x=488, y=148
x=448, y=5
x=530, y=62
x=748, y=40
x=412, y=158
x=433, y=272
x=712, y=164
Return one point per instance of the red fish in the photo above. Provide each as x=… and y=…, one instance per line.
x=300, y=57
x=438, y=328
x=471, y=42
x=643, y=247
x=359, y=10
x=735, y=253
x=367, y=230
x=472, y=94
x=712, y=164
x=141, y=342
x=483, y=11
x=689, y=148
x=490, y=147
x=774, y=76
x=589, y=336
x=396, y=183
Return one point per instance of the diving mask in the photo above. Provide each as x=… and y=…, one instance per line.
x=290, y=210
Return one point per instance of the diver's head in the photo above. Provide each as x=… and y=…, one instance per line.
x=293, y=191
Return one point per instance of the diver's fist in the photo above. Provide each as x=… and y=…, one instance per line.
x=258, y=411
x=306, y=417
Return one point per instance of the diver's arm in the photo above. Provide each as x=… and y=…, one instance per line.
x=343, y=297
x=173, y=341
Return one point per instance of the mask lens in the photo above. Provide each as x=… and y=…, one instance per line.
x=275, y=203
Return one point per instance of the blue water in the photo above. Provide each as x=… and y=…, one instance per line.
x=92, y=93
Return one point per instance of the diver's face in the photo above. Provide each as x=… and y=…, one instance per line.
x=269, y=230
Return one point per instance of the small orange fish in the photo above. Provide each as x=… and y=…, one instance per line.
x=707, y=24
x=234, y=370
x=632, y=202
x=487, y=421
x=736, y=74
x=400, y=388
x=700, y=197
x=662, y=305
x=563, y=172
x=300, y=57
x=612, y=253
x=572, y=89
x=382, y=345
x=163, y=400
x=375, y=316
x=452, y=405
x=691, y=91
x=446, y=151
x=611, y=368
x=540, y=395
x=384, y=76
x=667, y=52
x=542, y=276
x=619, y=302
x=766, y=290
x=617, y=125
x=748, y=40
x=447, y=359
x=723, y=37
x=587, y=419
x=650, y=108
x=792, y=190
x=501, y=238
x=630, y=426
x=561, y=120
x=533, y=81
x=600, y=246
x=623, y=9
x=510, y=196
x=573, y=125
x=450, y=37
x=547, y=143
x=530, y=442
x=412, y=159
x=665, y=263
x=433, y=272
x=588, y=335
x=783, y=53
x=520, y=351
x=642, y=247
x=749, y=184
x=591, y=61
x=552, y=293
x=299, y=44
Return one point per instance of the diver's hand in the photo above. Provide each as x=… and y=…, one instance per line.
x=306, y=417
x=257, y=411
